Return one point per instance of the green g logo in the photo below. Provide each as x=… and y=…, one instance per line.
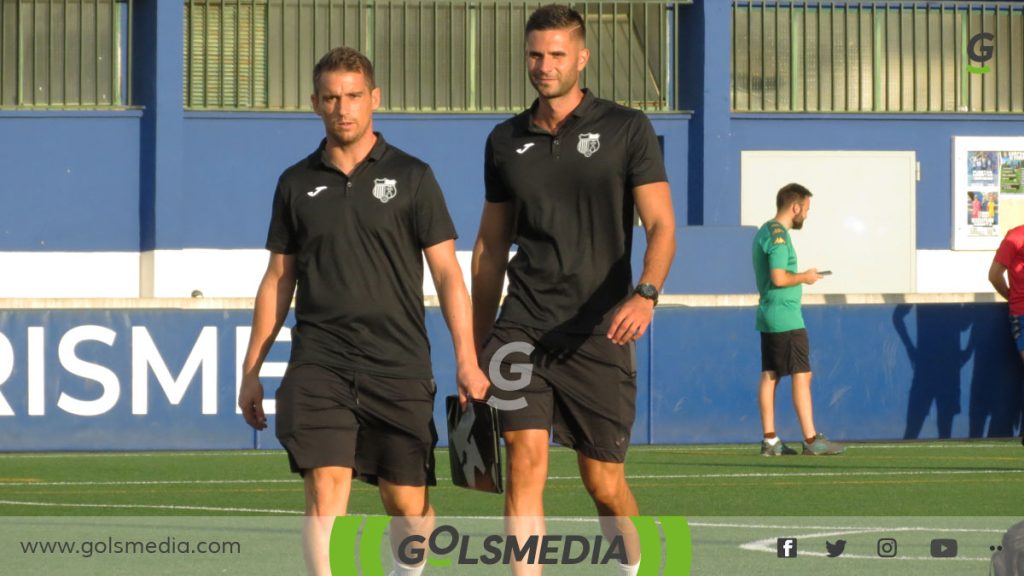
x=979, y=52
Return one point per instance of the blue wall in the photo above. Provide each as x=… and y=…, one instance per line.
x=70, y=181
x=157, y=177
x=163, y=178
x=952, y=373
x=99, y=195
x=870, y=382
x=232, y=161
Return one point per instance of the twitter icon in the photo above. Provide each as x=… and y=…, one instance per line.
x=835, y=550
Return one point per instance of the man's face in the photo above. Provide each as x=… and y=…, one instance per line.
x=802, y=208
x=554, y=60
x=345, y=103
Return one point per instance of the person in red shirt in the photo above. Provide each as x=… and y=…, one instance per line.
x=1009, y=262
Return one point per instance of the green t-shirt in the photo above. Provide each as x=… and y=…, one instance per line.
x=779, y=308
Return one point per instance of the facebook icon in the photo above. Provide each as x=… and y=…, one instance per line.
x=787, y=547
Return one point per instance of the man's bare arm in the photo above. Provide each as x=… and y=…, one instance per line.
x=273, y=300
x=457, y=310
x=654, y=204
x=490, y=260
x=997, y=277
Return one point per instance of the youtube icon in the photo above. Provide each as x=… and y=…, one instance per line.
x=944, y=548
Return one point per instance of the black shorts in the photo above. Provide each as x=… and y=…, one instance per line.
x=583, y=385
x=785, y=353
x=380, y=427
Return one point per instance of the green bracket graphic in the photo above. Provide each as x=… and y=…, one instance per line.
x=342, y=548
x=678, y=546
x=650, y=545
x=369, y=545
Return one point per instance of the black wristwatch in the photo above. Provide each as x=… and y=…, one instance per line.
x=647, y=291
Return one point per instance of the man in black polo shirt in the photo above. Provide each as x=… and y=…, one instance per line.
x=562, y=180
x=350, y=226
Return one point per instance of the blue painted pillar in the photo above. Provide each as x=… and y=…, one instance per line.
x=719, y=159
x=690, y=52
x=157, y=72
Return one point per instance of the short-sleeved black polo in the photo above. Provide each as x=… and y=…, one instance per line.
x=572, y=196
x=358, y=242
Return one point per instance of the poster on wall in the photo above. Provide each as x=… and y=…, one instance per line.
x=988, y=198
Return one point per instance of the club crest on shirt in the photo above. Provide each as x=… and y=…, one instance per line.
x=384, y=189
x=589, y=144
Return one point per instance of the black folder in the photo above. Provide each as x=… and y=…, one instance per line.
x=473, y=445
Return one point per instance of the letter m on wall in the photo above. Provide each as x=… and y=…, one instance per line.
x=146, y=356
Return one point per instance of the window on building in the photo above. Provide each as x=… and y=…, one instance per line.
x=225, y=55
x=66, y=54
x=448, y=55
x=878, y=56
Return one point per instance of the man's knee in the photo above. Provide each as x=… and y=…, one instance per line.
x=803, y=378
x=324, y=486
x=607, y=492
x=404, y=500
x=606, y=484
x=328, y=477
x=527, y=451
x=409, y=507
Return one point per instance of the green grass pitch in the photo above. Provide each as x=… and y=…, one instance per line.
x=736, y=501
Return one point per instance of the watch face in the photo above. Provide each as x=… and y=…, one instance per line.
x=647, y=291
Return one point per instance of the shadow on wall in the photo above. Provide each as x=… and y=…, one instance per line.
x=939, y=353
x=996, y=385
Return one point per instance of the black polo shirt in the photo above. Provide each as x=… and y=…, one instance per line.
x=358, y=244
x=572, y=196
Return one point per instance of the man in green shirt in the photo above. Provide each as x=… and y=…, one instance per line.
x=785, y=349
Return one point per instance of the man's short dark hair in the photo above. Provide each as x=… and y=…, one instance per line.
x=343, y=59
x=556, y=17
x=791, y=194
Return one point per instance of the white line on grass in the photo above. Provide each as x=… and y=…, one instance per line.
x=731, y=525
x=296, y=481
x=638, y=448
x=934, y=445
x=68, y=455
x=840, y=528
x=150, y=507
x=751, y=448
x=837, y=474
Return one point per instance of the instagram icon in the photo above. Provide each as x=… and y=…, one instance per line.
x=886, y=547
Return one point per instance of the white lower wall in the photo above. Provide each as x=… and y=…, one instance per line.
x=237, y=273
x=69, y=274
x=953, y=271
x=226, y=273
x=215, y=273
